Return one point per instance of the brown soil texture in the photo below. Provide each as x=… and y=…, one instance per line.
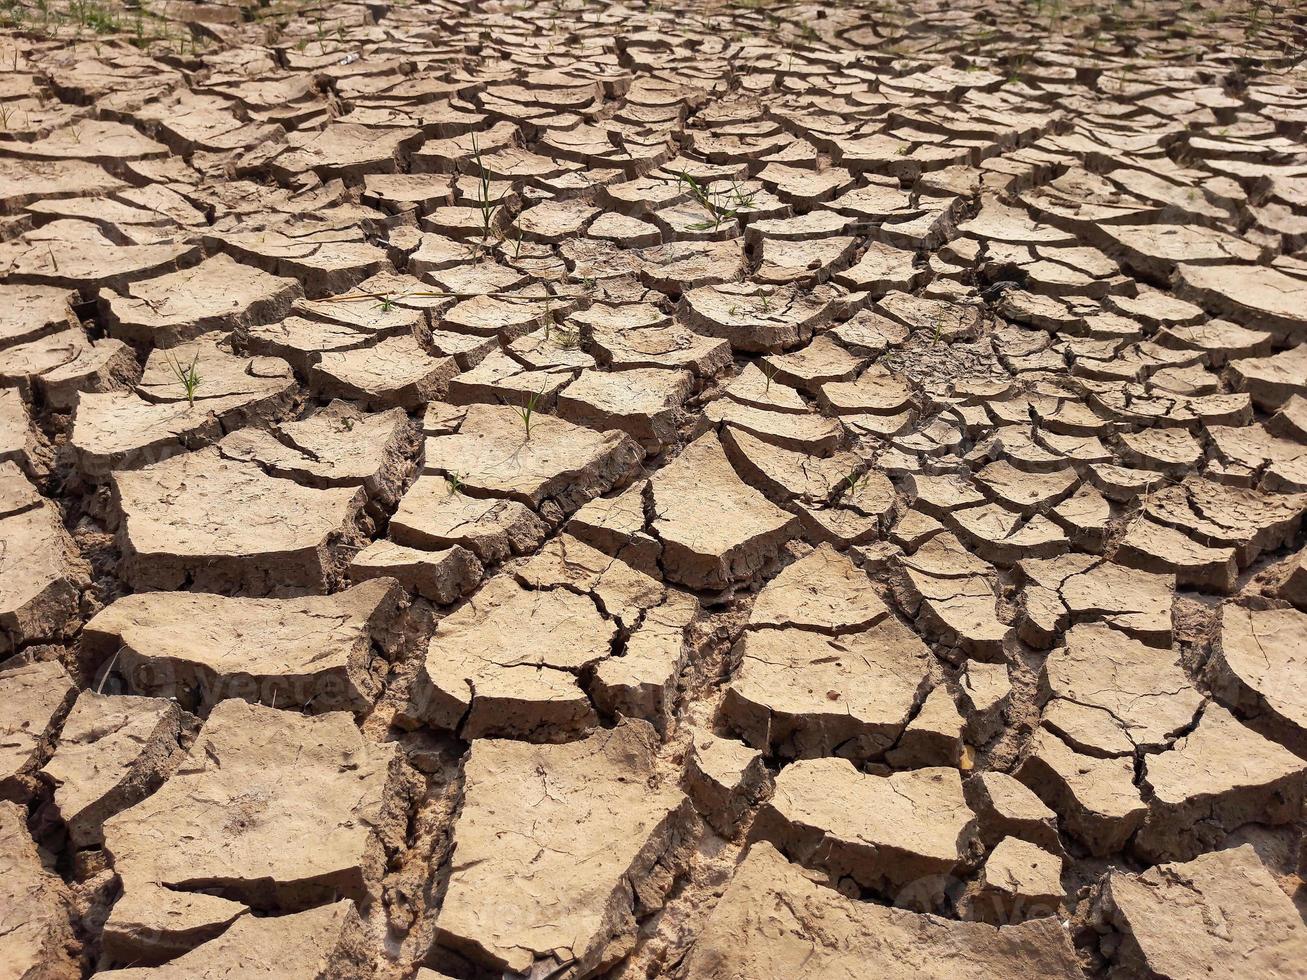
x=565, y=489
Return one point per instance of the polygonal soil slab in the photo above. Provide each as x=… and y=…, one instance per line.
x=41, y=572
x=1220, y=517
x=343, y=150
x=901, y=835
x=1019, y=881
x=775, y=921
x=643, y=681
x=34, y=699
x=803, y=431
x=325, y=260
x=624, y=339
x=36, y=933
x=87, y=260
x=558, y=467
x=1254, y=296
x=556, y=849
x=1112, y=695
x=335, y=446
x=434, y=514
x=822, y=591
x=1220, y=916
x=317, y=653
x=1274, y=379
x=28, y=312
x=328, y=941
x=272, y=810
x=113, y=751
x=1256, y=670
x=622, y=592
x=715, y=529
x=1095, y=798
x=953, y=594
x=19, y=443
x=642, y=402
x=1075, y=588
x=754, y=317
x=505, y=664
x=1217, y=778
x=217, y=294
x=127, y=429
x=441, y=576
x=396, y=371
x=799, y=694
x=219, y=525
x=59, y=365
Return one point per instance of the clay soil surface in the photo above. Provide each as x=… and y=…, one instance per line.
x=682, y=490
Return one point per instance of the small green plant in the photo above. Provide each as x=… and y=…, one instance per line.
x=484, y=204
x=454, y=482
x=702, y=197
x=545, y=321
x=527, y=412
x=387, y=304
x=769, y=372
x=856, y=482
x=765, y=302
x=188, y=377
x=742, y=200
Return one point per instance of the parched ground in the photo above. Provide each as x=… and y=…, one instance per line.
x=680, y=490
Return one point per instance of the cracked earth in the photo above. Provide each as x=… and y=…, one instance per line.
x=693, y=491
